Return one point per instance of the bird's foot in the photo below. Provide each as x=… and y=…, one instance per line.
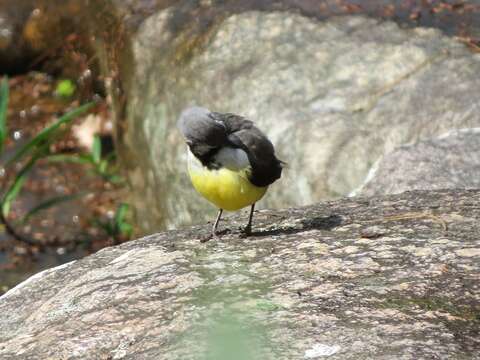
x=246, y=231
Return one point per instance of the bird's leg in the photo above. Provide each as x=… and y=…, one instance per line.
x=215, y=225
x=248, y=229
x=214, y=228
x=215, y=233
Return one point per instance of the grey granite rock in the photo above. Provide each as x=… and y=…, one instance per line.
x=334, y=96
x=450, y=161
x=392, y=277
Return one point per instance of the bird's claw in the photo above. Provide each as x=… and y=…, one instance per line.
x=245, y=232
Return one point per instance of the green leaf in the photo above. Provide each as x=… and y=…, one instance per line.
x=70, y=158
x=17, y=185
x=111, y=156
x=49, y=203
x=126, y=229
x=102, y=167
x=3, y=112
x=115, y=179
x=12, y=193
x=97, y=149
x=65, y=88
x=45, y=136
x=105, y=226
x=121, y=213
x=119, y=222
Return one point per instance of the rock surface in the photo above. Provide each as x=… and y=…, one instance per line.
x=392, y=277
x=334, y=96
x=451, y=161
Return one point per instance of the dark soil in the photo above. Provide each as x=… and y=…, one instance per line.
x=68, y=230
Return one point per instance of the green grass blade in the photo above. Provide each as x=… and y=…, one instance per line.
x=114, y=179
x=102, y=167
x=110, y=157
x=126, y=229
x=70, y=158
x=105, y=226
x=12, y=193
x=122, y=227
x=3, y=112
x=97, y=149
x=17, y=185
x=121, y=213
x=45, y=135
x=48, y=204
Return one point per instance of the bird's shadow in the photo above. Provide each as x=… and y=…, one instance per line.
x=316, y=223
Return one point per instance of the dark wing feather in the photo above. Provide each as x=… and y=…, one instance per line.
x=208, y=132
x=243, y=134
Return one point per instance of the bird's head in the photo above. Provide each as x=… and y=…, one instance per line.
x=199, y=128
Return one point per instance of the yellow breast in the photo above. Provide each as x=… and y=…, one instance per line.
x=227, y=189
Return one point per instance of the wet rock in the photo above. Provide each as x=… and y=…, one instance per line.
x=334, y=95
x=306, y=284
x=450, y=161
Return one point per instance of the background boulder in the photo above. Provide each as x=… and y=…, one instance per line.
x=450, y=161
x=334, y=96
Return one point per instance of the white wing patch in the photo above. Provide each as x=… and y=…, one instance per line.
x=232, y=159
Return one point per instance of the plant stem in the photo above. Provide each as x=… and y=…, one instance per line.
x=10, y=230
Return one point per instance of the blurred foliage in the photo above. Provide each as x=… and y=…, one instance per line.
x=119, y=227
x=40, y=147
x=3, y=112
x=35, y=149
x=65, y=88
x=102, y=166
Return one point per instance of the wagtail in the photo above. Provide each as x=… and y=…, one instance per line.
x=230, y=161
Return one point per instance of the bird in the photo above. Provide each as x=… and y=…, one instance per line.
x=231, y=162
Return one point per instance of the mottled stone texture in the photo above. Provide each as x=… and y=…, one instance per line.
x=333, y=95
x=392, y=277
x=448, y=162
